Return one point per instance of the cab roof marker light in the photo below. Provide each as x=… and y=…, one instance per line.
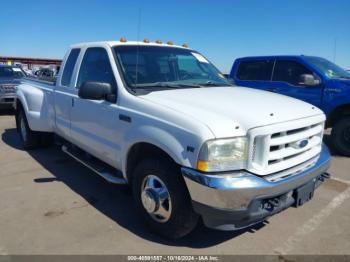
x=123, y=40
x=185, y=45
x=158, y=41
x=170, y=43
x=146, y=40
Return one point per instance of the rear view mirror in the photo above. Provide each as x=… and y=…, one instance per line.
x=95, y=91
x=308, y=80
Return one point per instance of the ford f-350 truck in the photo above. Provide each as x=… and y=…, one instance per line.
x=164, y=120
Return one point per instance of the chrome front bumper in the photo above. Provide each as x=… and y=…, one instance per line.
x=239, y=191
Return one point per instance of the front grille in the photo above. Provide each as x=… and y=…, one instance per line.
x=278, y=149
x=7, y=88
x=275, y=177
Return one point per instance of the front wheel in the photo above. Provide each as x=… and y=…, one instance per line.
x=341, y=136
x=161, y=196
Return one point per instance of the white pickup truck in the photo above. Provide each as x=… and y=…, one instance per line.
x=164, y=120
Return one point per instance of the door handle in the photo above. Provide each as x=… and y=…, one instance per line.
x=125, y=118
x=72, y=102
x=333, y=90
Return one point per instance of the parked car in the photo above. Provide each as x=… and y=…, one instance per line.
x=46, y=74
x=162, y=119
x=10, y=77
x=28, y=72
x=312, y=79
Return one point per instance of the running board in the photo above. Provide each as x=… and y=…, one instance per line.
x=95, y=165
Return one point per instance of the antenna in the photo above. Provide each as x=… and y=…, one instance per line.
x=335, y=49
x=137, y=48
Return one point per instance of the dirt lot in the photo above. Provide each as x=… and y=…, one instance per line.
x=50, y=204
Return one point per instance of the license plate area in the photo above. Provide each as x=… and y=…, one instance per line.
x=304, y=193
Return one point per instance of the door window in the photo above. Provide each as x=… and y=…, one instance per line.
x=290, y=72
x=69, y=67
x=259, y=70
x=96, y=67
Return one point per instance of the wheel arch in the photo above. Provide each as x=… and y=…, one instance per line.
x=337, y=113
x=141, y=150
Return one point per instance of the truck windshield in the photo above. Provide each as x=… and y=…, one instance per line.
x=328, y=68
x=11, y=72
x=157, y=68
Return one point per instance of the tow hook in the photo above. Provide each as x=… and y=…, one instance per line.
x=322, y=178
x=271, y=204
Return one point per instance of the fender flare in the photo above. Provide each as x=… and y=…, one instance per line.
x=156, y=137
x=38, y=119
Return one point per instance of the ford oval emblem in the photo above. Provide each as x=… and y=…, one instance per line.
x=300, y=144
x=303, y=143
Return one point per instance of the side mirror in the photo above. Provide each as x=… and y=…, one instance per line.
x=95, y=91
x=309, y=80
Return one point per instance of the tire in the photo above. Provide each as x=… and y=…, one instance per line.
x=182, y=219
x=340, y=136
x=29, y=138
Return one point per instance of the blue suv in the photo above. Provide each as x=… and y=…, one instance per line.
x=309, y=78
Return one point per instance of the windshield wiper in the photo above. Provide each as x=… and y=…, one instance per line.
x=210, y=83
x=166, y=85
x=341, y=77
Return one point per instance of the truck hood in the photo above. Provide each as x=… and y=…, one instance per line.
x=231, y=111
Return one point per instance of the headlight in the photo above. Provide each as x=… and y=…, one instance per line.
x=223, y=155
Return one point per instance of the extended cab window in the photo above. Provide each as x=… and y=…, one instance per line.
x=259, y=70
x=69, y=67
x=290, y=72
x=96, y=67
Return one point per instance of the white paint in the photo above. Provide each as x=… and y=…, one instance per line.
x=313, y=223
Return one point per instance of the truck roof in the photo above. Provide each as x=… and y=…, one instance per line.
x=273, y=57
x=127, y=43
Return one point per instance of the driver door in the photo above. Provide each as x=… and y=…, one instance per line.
x=286, y=80
x=94, y=123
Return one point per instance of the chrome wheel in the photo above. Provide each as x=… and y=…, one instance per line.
x=23, y=129
x=156, y=199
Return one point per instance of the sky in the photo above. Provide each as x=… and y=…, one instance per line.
x=222, y=30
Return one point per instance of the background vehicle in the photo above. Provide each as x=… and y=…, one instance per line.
x=164, y=120
x=46, y=74
x=10, y=77
x=312, y=79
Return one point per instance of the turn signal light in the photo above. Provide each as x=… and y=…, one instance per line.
x=202, y=165
x=122, y=39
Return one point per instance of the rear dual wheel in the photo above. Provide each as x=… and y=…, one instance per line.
x=31, y=139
